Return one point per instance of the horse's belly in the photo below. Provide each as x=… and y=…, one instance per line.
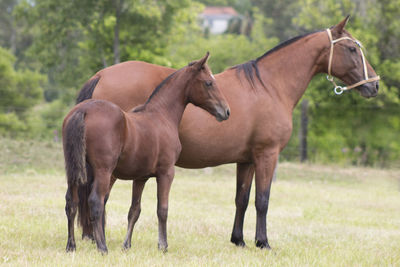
x=206, y=143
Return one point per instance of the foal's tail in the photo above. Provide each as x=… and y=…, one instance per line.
x=75, y=149
x=79, y=172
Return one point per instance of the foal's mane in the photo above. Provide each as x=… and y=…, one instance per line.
x=155, y=91
x=251, y=65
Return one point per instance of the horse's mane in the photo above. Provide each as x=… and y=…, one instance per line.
x=250, y=67
x=155, y=91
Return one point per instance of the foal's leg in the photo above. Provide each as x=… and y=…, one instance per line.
x=164, y=182
x=244, y=177
x=112, y=181
x=134, y=211
x=96, y=204
x=71, y=206
x=265, y=162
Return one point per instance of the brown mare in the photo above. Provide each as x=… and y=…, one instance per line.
x=262, y=94
x=101, y=140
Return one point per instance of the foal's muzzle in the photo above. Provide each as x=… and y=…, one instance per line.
x=222, y=114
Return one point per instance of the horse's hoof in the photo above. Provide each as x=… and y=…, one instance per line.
x=88, y=237
x=163, y=248
x=71, y=247
x=238, y=242
x=126, y=246
x=262, y=244
x=103, y=250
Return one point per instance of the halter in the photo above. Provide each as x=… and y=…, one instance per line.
x=340, y=89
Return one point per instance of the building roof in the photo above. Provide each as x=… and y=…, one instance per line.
x=216, y=10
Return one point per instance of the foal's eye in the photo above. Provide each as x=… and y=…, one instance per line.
x=352, y=49
x=208, y=83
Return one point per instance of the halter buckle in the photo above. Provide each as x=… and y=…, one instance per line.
x=329, y=78
x=339, y=89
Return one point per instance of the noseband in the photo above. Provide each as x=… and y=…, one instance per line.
x=340, y=89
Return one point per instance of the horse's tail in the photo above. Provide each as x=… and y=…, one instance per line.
x=78, y=169
x=83, y=206
x=87, y=89
x=75, y=148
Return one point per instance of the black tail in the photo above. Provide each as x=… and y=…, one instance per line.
x=75, y=149
x=83, y=207
x=79, y=171
x=86, y=91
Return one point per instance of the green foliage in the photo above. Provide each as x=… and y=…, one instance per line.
x=226, y=50
x=20, y=90
x=68, y=41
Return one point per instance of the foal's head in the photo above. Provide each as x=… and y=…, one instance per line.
x=349, y=64
x=203, y=90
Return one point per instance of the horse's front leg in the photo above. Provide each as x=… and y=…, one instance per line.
x=265, y=162
x=134, y=211
x=164, y=181
x=244, y=177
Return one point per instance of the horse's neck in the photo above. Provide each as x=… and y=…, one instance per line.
x=289, y=70
x=170, y=101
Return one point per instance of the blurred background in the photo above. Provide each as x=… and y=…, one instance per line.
x=50, y=48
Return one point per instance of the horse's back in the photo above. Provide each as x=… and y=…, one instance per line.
x=130, y=83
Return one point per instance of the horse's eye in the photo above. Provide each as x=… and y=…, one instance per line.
x=208, y=83
x=352, y=49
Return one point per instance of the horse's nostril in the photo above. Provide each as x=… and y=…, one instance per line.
x=377, y=85
x=228, y=112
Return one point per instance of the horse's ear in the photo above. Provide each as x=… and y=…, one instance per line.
x=340, y=26
x=201, y=62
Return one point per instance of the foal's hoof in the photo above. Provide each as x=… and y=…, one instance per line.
x=103, y=250
x=126, y=246
x=71, y=247
x=238, y=242
x=163, y=248
x=262, y=244
x=88, y=237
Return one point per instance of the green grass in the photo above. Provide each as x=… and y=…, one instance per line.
x=318, y=216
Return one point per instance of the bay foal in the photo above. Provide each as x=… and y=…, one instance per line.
x=101, y=140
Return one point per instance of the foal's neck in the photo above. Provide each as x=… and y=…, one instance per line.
x=289, y=70
x=170, y=100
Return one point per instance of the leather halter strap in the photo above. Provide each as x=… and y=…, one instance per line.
x=340, y=89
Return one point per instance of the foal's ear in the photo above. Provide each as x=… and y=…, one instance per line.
x=201, y=62
x=340, y=26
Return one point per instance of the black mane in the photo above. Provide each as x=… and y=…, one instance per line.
x=251, y=66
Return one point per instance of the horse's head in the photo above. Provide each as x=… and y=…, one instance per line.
x=204, y=92
x=346, y=61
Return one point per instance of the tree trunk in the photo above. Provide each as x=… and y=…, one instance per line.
x=118, y=7
x=303, y=130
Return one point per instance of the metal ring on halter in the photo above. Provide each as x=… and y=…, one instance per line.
x=339, y=90
x=329, y=78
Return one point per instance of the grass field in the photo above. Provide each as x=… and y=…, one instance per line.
x=318, y=216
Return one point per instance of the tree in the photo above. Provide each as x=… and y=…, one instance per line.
x=74, y=39
x=20, y=90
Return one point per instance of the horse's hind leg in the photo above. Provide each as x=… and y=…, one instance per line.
x=134, y=211
x=164, y=182
x=96, y=205
x=244, y=173
x=87, y=229
x=71, y=206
